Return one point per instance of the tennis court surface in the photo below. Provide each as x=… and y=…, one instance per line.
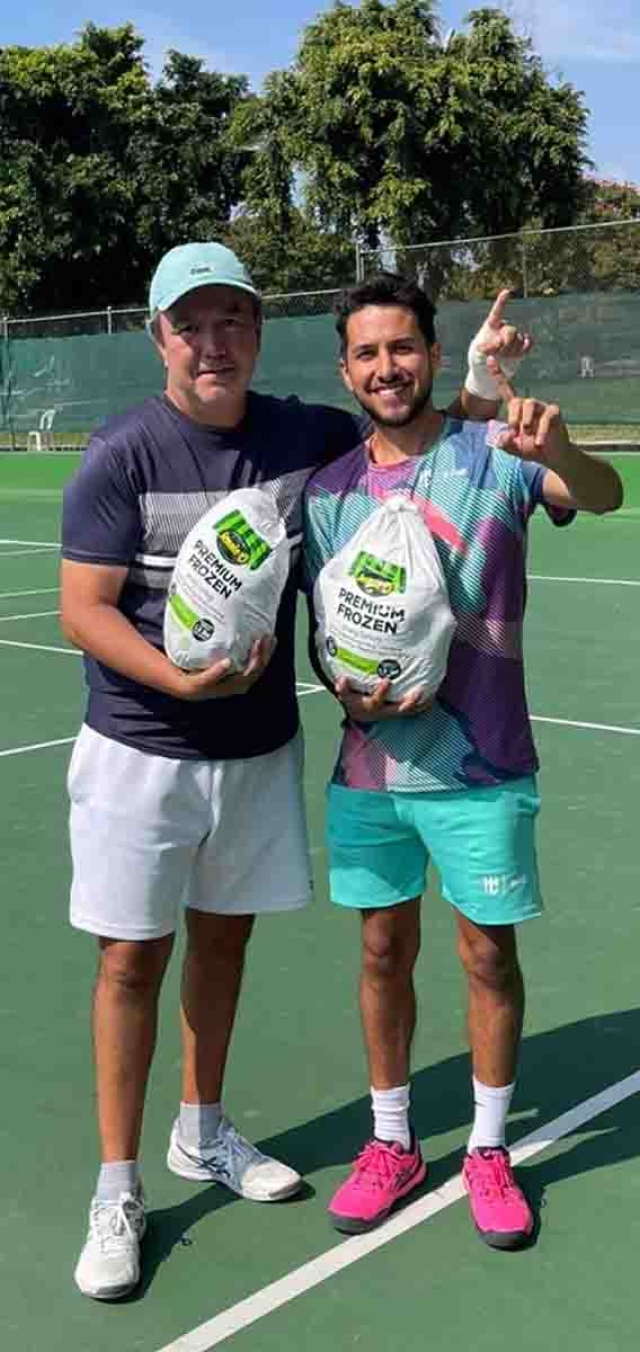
x=261, y=1278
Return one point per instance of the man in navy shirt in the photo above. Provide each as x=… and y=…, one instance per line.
x=169, y=765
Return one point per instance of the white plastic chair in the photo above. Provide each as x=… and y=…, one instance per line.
x=43, y=439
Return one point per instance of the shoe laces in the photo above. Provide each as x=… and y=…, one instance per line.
x=231, y=1147
x=114, y=1225
x=491, y=1172
x=379, y=1162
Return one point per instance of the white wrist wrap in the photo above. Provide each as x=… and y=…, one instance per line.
x=479, y=380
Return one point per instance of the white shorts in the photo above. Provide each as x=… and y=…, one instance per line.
x=150, y=835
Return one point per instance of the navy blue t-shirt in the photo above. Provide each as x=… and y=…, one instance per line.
x=145, y=480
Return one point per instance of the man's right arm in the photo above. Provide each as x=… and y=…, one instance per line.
x=100, y=534
x=312, y=649
x=91, y=620
x=314, y=558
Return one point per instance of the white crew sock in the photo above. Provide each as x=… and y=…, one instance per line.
x=391, y=1115
x=491, y=1108
x=199, y=1123
x=116, y=1178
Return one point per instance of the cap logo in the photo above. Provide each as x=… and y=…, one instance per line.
x=202, y=267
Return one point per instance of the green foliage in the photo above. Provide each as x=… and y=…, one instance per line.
x=100, y=171
x=614, y=255
x=66, y=197
x=301, y=257
x=400, y=136
x=380, y=131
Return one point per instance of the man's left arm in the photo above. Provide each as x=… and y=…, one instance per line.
x=536, y=432
x=315, y=552
x=574, y=478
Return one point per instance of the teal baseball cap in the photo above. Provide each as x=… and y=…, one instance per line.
x=189, y=266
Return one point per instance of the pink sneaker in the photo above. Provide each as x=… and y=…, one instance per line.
x=381, y=1176
x=498, y=1206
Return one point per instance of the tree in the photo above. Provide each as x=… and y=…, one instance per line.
x=100, y=172
x=379, y=132
x=187, y=169
x=606, y=199
x=401, y=137
x=613, y=254
x=301, y=257
x=603, y=258
x=65, y=197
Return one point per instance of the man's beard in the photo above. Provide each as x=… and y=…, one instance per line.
x=401, y=419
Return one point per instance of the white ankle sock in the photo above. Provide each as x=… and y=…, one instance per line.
x=199, y=1123
x=391, y=1115
x=114, y=1179
x=491, y=1108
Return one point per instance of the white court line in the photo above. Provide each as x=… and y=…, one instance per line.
x=305, y=688
x=22, y=553
x=39, y=746
x=341, y=1256
x=65, y=741
x=38, y=647
x=37, y=591
x=593, y=727
x=36, y=746
x=598, y=581
x=44, y=544
x=34, y=615
x=538, y=718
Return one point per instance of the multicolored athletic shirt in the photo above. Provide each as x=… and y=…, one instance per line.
x=476, y=501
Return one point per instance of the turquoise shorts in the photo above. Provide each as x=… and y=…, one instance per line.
x=482, y=842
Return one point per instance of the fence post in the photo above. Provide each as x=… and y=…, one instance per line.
x=109, y=319
x=525, y=279
x=6, y=402
x=358, y=262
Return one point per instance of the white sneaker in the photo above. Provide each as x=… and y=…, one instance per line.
x=109, y=1265
x=232, y=1160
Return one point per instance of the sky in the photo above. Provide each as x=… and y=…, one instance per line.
x=595, y=47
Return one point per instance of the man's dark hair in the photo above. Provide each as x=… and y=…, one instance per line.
x=386, y=288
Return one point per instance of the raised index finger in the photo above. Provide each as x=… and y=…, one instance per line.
x=495, y=318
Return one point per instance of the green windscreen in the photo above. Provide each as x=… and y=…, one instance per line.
x=586, y=358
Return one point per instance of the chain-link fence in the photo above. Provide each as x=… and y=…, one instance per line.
x=577, y=291
x=534, y=263
x=132, y=319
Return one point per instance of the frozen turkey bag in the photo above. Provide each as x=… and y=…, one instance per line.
x=382, y=605
x=227, y=582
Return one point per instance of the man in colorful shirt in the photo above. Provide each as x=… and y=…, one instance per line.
x=451, y=779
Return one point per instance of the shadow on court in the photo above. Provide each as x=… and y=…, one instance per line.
x=171, y=1227
x=559, y=1069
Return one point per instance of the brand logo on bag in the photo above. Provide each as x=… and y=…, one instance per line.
x=202, y=630
x=376, y=577
x=389, y=670
x=239, y=543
